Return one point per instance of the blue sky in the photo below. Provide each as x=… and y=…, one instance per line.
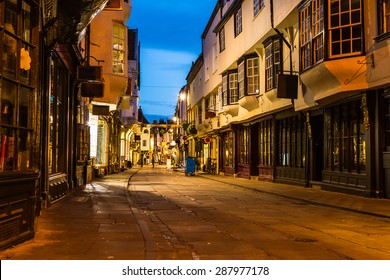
x=170, y=34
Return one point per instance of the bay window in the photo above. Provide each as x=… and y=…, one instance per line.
x=238, y=22
x=384, y=16
x=230, y=88
x=273, y=65
x=344, y=30
x=345, y=27
x=233, y=88
x=252, y=75
x=248, y=76
x=118, y=51
x=311, y=19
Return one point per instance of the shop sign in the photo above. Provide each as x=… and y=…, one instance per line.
x=287, y=86
x=89, y=73
x=100, y=110
x=92, y=89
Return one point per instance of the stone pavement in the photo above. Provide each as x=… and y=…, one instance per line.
x=98, y=222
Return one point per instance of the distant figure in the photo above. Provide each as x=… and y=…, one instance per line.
x=153, y=161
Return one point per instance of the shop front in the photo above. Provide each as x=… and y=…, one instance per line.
x=228, y=153
x=20, y=121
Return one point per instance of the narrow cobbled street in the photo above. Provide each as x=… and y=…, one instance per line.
x=152, y=213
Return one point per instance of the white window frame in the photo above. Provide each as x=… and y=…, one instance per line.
x=273, y=65
x=252, y=75
x=118, y=49
x=233, y=88
x=225, y=100
x=241, y=79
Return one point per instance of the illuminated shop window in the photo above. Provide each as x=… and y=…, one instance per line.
x=17, y=87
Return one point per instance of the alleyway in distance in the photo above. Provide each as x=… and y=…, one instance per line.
x=166, y=215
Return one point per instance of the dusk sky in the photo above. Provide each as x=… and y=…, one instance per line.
x=170, y=36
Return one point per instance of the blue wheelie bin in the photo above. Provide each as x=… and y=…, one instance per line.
x=190, y=166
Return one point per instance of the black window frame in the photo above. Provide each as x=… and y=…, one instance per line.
x=276, y=66
x=238, y=28
x=18, y=85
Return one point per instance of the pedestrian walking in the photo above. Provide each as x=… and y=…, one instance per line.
x=153, y=160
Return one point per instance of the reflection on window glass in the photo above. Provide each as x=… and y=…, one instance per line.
x=26, y=21
x=228, y=146
x=9, y=56
x=11, y=16
x=345, y=21
x=17, y=85
x=8, y=102
x=24, y=101
x=7, y=151
x=346, y=143
x=118, y=52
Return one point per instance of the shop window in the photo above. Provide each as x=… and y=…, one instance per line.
x=17, y=89
x=345, y=137
x=83, y=132
x=228, y=149
x=243, y=143
x=291, y=144
x=101, y=151
x=265, y=137
x=59, y=84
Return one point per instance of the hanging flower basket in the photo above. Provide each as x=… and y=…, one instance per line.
x=185, y=126
x=191, y=129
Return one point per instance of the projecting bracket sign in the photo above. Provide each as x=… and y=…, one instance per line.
x=100, y=110
x=287, y=86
